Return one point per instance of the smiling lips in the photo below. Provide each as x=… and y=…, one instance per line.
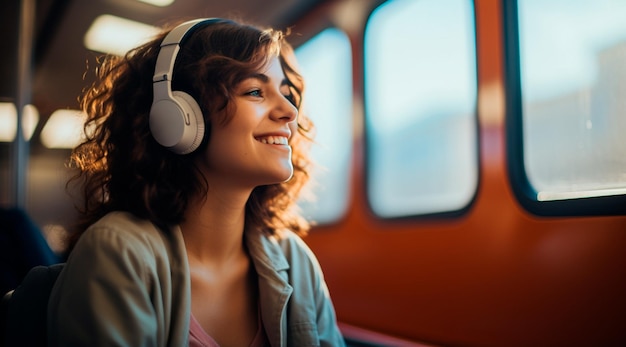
x=273, y=140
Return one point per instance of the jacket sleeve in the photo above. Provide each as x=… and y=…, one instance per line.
x=102, y=297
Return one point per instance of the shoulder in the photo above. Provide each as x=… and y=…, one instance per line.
x=121, y=247
x=123, y=269
x=129, y=240
x=122, y=224
x=121, y=230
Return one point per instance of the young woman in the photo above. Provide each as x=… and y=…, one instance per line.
x=194, y=158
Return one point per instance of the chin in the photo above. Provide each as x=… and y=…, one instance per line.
x=288, y=178
x=286, y=174
x=275, y=177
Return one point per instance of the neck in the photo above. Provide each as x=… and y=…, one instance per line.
x=213, y=228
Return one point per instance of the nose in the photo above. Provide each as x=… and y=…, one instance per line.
x=284, y=110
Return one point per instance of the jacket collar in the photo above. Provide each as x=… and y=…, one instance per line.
x=274, y=288
x=266, y=252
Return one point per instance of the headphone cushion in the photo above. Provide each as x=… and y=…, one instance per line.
x=196, y=120
x=177, y=123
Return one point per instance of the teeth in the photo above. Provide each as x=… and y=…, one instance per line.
x=273, y=140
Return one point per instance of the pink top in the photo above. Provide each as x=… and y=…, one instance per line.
x=199, y=338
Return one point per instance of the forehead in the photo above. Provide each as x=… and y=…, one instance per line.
x=274, y=69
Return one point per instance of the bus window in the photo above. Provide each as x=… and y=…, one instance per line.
x=326, y=64
x=420, y=98
x=569, y=114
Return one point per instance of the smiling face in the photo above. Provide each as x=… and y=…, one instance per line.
x=252, y=148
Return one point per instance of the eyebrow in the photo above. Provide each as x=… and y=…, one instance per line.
x=263, y=78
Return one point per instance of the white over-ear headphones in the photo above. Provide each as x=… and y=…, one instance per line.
x=176, y=121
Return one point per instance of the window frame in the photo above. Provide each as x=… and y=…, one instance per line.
x=368, y=143
x=522, y=188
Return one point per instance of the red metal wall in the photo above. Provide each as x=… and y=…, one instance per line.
x=497, y=276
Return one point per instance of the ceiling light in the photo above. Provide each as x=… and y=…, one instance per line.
x=64, y=129
x=8, y=121
x=30, y=120
x=160, y=3
x=116, y=35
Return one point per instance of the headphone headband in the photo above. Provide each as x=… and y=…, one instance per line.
x=171, y=45
x=169, y=50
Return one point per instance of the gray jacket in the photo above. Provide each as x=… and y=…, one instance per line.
x=127, y=284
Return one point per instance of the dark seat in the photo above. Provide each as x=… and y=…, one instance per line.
x=25, y=309
x=22, y=247
x=4, y=304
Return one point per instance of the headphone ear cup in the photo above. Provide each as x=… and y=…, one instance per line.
x=195, y=134
x=177, y=123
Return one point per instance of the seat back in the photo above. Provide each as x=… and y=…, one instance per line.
x=22, y=247
x=27, y=308
x=4, y=304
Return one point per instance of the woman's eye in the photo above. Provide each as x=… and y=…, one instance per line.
x=256, y=92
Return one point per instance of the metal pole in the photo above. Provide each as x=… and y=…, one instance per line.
x=23, y=97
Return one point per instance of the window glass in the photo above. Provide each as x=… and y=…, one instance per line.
x=421, y=94
x=573, y=79
x=326, y=65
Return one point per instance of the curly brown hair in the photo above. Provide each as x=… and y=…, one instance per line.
x=122, y=168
